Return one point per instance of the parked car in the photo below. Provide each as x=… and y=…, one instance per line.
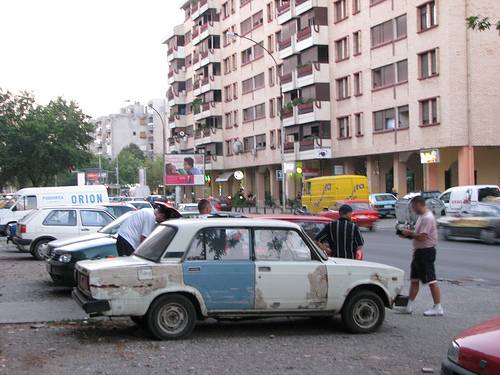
x=311, y=224
x=43, y=225
x=234, y=268
x=363, y=215
x=481, y=221
x=140, y=204
x=475, y=351
x=384, y=203
x=117, y=209
x=458, y=198
x=104, y=232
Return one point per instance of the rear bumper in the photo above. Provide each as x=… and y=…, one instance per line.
x=61, y=273
x=89, y=305
x=450, y=368
x=401, y=301
x=22, y=244
x=365, y=223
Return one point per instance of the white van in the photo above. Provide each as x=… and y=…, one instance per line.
x=459, y=198
x=29, y=199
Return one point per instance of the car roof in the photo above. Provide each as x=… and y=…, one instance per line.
x=290, y=217
x=230, y=222
x=66, y=207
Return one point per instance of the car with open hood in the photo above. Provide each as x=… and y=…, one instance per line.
x=190, y=270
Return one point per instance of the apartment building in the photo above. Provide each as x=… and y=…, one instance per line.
x=369, y=87
x=135, y=124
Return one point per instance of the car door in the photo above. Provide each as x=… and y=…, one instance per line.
x=218, y=265
x=288, y=274
x=60, y=224
x=93, y=220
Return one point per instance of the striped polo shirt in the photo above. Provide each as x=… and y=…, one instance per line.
x=343, y=237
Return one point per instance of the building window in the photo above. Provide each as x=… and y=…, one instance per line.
x=234, y=61
x=403, y=117
x=227, y=65
x=235, y=90
x=402, y=71
x=252, y=53
x=260, y=141
x=246, y=26
x=227, y=93
x=429, y=112
x=248, y=143
x=253, y=83
x=384, y=120
x=356, y=6
x=342, y=49
x=254, y=113
x=383, y=76
x=340, y=10
x=427, y=17
x=228, y=120
x=270, y=14
x=225, y=10
x=358, y=124
x=272, y=138
x=235, y=118
x=229, y=148
x=343, y=126
x=356, y=43
x=272, y=107
x=342, y=88
x=401, y=27
x=357, y=84
x=427, y=64
x=257, y=19
x=271, y=76
x=270, y=43
x=384, y=33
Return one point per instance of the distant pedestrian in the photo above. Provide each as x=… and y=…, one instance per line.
x=204, y=208
x=394, y=192
x=425, y=239
x=139, y=226
x=343, y=237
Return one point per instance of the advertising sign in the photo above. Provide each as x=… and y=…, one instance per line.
x=184, y=169
x=429, y=156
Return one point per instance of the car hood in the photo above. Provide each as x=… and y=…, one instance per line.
x=362, y=264
x=59, y=243
x=131, y=261
x=88, y=244
x=483, y=338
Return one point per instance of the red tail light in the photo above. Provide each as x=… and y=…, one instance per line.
x=23, y=228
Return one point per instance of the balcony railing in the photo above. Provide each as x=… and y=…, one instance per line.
x=305, y=70
x=285, y=43
x=285, y=6
x=306, y=108
x=289, y=147
x=304, y=33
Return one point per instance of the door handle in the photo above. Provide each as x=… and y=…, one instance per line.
x=85, y=230
x=265, y=269
x=194, y=269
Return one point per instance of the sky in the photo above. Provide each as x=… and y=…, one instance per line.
x=99, y=53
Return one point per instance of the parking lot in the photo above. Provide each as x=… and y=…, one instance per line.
x=71, y=343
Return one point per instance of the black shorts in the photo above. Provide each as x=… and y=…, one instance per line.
x=124, y=248
x=422, y=265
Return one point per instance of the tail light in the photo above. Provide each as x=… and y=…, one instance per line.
x=23, y=228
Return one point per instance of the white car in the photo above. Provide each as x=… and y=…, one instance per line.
x=44, y=225
x=188, y=270
x=140, y=204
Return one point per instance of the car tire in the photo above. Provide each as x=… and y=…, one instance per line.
x=363, y=312
x=40, y=248
x=171, y=317
x=487, y=236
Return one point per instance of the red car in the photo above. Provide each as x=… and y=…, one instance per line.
x=475, y=351
x=363, y=215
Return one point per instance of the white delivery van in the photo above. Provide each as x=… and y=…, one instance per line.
x=29, y=199
x=458, y=198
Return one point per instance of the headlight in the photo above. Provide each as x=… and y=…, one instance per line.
x=453, y=352
x=65, y=258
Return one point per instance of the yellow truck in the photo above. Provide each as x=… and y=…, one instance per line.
x=324, y=192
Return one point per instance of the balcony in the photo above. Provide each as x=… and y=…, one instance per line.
x=205, y=58
x=308, y=149
x=286, y=12
x=207, y=84
x=208, y=110
x=311, y=36
x=176, y=75
x=306, y=112
x=302, y=6
x=305, y=75
x=200, y=33
x=175, y=98
x=287, y=48
x=177, y=121
x=207, y=136
x=176, y=53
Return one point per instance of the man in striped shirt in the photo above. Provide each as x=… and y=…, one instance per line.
x=343, y=237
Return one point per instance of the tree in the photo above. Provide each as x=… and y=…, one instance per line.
x=39, y=142
x=130, y=159
x=154, y=172
x=480, y=23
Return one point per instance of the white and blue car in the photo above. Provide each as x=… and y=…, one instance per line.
x=189, y=270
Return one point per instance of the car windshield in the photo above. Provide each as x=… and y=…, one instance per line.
x=157, y=242
x=112, y=228
x=430, y=194
x=359, y=206
x=385, y=197
x=140, y=205
x=188, y=207
x=8, y=203
x=311, y=228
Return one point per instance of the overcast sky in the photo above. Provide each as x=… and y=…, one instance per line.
x=97, y=52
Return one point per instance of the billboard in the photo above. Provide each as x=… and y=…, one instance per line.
x=429, y=156
x=184, y=169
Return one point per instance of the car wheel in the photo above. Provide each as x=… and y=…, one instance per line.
x=41, y=249
x=363, y=312
x=487, y=236
x=171, y=317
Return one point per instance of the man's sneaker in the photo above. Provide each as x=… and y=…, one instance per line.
x=436, y=310
x=408, y=309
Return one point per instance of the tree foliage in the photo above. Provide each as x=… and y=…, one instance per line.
x=39, y=142
x=154, y=168
x=130, y=159
x=480, y=23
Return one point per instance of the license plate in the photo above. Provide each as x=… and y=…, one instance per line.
x=387, y=206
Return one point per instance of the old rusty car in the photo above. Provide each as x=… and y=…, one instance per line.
x=189, y=270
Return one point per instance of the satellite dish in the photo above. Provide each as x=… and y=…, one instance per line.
x=238, y=175
x=237, y=147
x=182, y=134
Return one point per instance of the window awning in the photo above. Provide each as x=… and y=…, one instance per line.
x=223, y=177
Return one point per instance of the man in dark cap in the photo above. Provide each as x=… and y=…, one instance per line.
x=342, y=238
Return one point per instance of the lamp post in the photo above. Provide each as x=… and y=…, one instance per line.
x=235, y=35
x=164, y=142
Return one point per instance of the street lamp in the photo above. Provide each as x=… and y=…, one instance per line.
x=150, y=105
x=234, y=35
